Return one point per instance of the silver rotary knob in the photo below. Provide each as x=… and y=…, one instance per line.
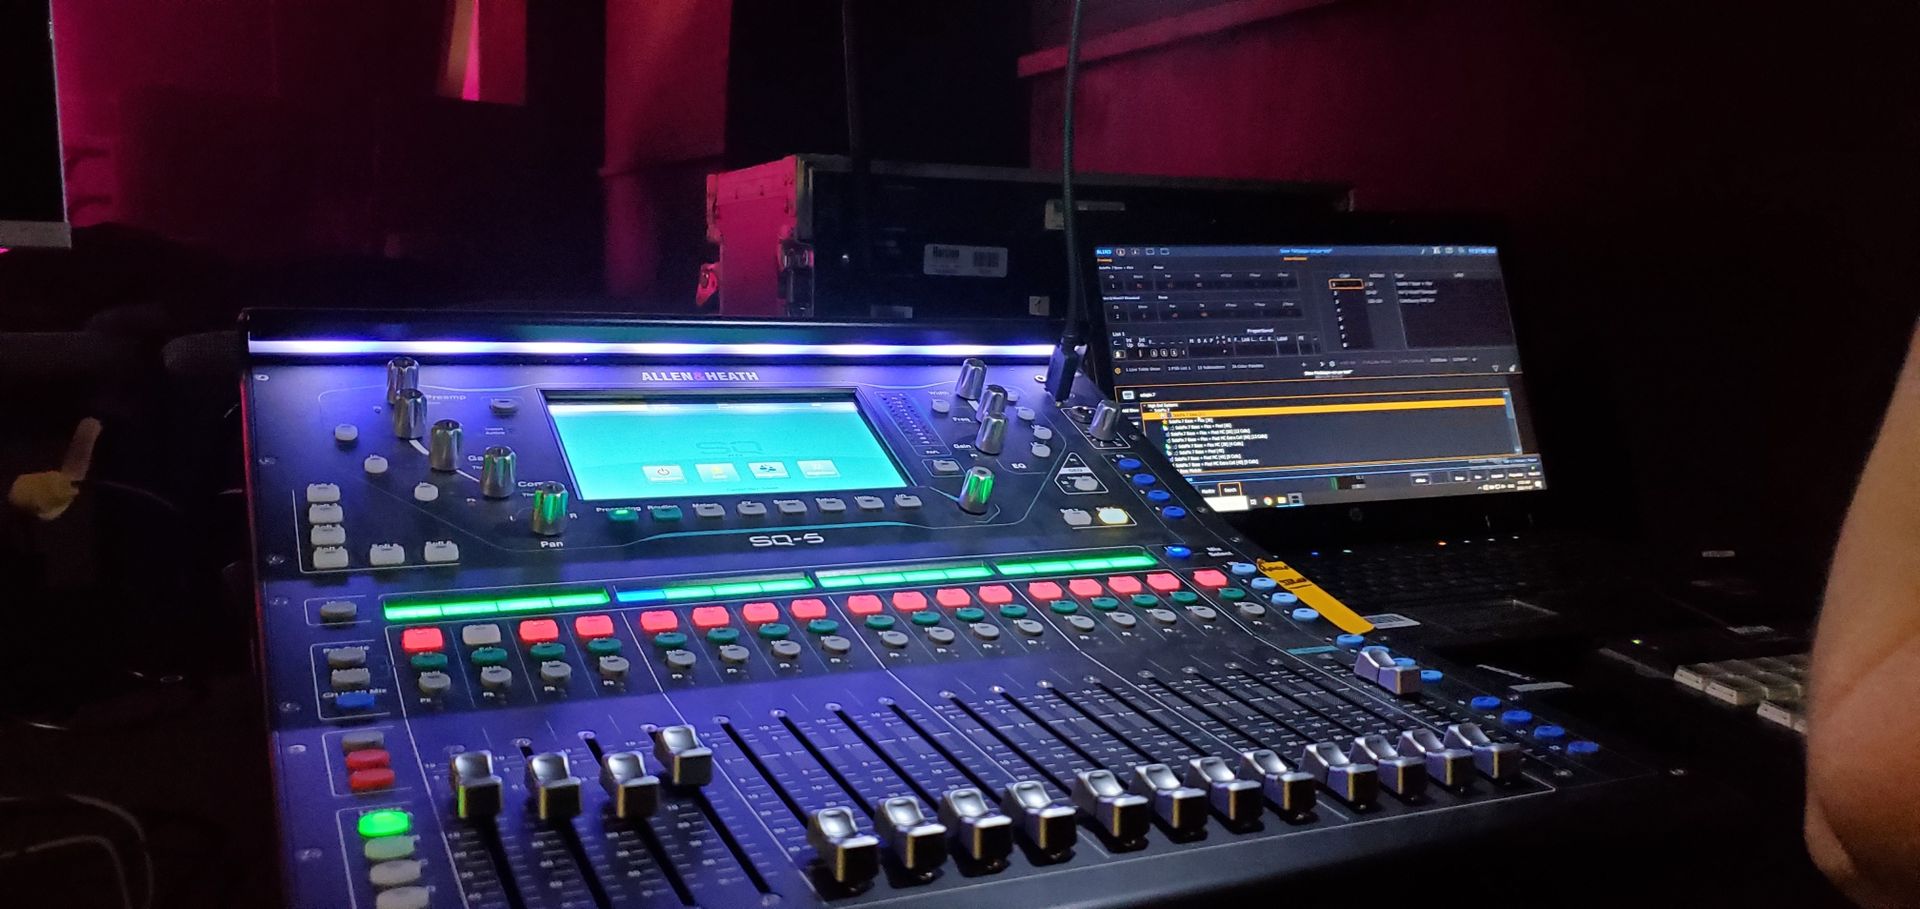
x=409, y=414
x=497, y=472
x=993, y=401
x=975, y=489
x=549, y=509
x=443, y=446
x=972, y=380
x=402, y=373
x=1105, y=424
x=992, y=435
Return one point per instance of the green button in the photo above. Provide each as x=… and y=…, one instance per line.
x=722, y=635
x=670, y=640
x=623, y=515
x=1104, y=604
x=428, y=662
x=665, y=512
x=385, y=822
x=1232, y=594
x=1144, y=600
x=1064, y=607
x=926, y=618
x=822, y=626
x=1185, y=597
x=550, y=650
x=603, y=646
x=970, y=614
x=488, y=656
x=879, y=622
x=774, y=631
x=1013, y=611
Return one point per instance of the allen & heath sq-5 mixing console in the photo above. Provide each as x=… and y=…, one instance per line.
x=592, y=613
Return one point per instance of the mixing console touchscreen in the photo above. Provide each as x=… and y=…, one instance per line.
x=578, y=613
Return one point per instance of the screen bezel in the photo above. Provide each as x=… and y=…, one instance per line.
x=548, y=397
x=1382, y=520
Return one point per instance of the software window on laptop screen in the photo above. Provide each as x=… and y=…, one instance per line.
x=1294, y=376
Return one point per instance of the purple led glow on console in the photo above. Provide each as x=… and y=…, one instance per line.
x=343, y=347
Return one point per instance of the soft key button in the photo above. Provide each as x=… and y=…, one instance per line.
x=384, y=554
x=480, y=635
x=325, y=513
x=442, y=551
x=328, y=535
x=327, y=558
x=322, y=493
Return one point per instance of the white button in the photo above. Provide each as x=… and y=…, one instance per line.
x=382, y=554
x=1025, y=414
x=1013, y=395
x=350, y=679
x=480, y=635
x=1076, y=517
x=1110, y=516
x=942, y=405
x=790, y=506
x=327, y=558
x=1086, y=484
x=318, y=493
x=906, y=500
x=442, y=551
x=374, y=464
x=404, y=898
x=346, y=432
x=425, y=492
x=328, y=535
x=831, y=505
x=1042, y=433
x=708, y=509
x=1042, y=450
x=325, y=514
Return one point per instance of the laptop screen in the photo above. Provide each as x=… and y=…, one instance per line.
x=1282, y=376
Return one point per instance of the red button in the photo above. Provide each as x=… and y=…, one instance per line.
x=760, y=613
x=422, y=640
x=654, y=621
x=593, y=626
x=808, y=610
x=1124, y=585
x=1207, y=577
x=539, y=631
x=367, y=759
x=909, y=601
x=369, y=780
x=1044, y=590
x=711, y=617
x=952, y=597
x=1084, y=587
x=996, y=595
x=863, y=604
x=1163, y=582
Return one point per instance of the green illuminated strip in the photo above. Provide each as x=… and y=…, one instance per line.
x=461, y=610
x=414, y=610
x=412, y=613
x=836, y=579
x=784, y=585
x=1105, y=562
x=691, y=592
x=845, y=580
x=967, y=574
x=590, y=598
x=921, y=577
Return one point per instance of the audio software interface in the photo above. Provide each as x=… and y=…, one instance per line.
x=586, y=613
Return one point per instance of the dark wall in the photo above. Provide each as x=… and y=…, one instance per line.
x=1711, y=202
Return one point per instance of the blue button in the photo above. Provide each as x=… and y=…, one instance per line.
x=1263, y=584
x=1484, y=702
x=1349, y=640
x=1517, y=717
x=1403, y=661
x=1302, y=614
x=1128, y=463
x=1582, y=746
x=1431, y=675
x=1179, y=552
x=1549, y=732
x=1145, y=479
x=1159, y=496
x=1242, y=569
x=354, y=700
x=1173, y=512
x=1283, y=598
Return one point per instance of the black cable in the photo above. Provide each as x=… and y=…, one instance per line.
x=1065, y=363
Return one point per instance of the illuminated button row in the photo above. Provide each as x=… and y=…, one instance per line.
x=414, y=610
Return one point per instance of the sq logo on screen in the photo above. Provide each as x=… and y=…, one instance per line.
x=664, y=473
x=767, y=470
x=717, y=473
x=818, y=469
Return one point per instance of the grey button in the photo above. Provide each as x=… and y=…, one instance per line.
x=346, y=657
x=363, y=739
x=480, y=635
x=893, y=639
x=403, y=898
x=328, y=558
x=1163, y=616
x=946, y=466
x=906, y=500
x=1025, y=414
x=734, y=654
x=425, y=492
x=327, y=513
x=1253, y=611
x=374, y=464
x=613, y=668
x=346, y=433
x=1081, y=623
x=1029, y=627
x=381, y=555
x=435, y=683
x=388, y=848
x=939, y=635
x=1738, y=691
x=709, y=510
x=397, y=873
x=496, y=678
x=1203, y=613
x=503, y=407
x=1076, y=517
x=1042, y=450
x=337, y=612
x=830, y=506
x=785, y=650
x=751, y=509
x=349, y=679
x=1123, y=619
x=869, y=503
x=1085, y=484
x=681, y=660
x=327, y=535
x=1042, y=433
x=1013, y=394
x=835, y=644
x=790, y=506
x=556, y=673
x=984, y=631
x=942, y=405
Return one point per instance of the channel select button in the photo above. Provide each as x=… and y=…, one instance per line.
x=951, y=597
x=711, y=617
x=1125, y=585
x=1084, y=587
x=593, y=626
x=1210, y=578
x=863, y=604
x=1044, y=590
x=539, y=631
x=1164, y=581
x=422, y=640
x=656, y=621
x=807, y=610
x=760, y=613
x=996, y=595
x=909, y=601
